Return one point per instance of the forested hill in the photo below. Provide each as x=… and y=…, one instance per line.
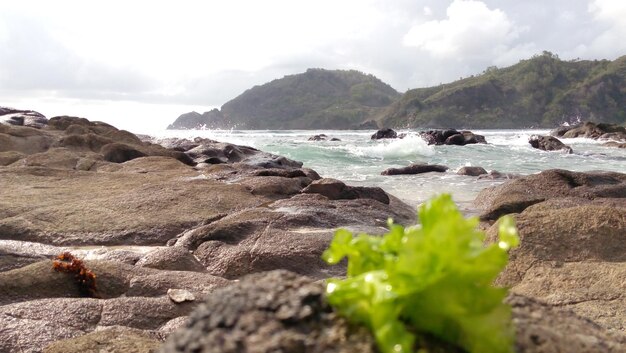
x=315, y=99
x=543, y=91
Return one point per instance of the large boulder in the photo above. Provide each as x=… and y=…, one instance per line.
x=572, y=255
x=516, y=195
x=385, y=133
x=472, y=171
x=548, y=143
x=451, y=137
x=591, y=130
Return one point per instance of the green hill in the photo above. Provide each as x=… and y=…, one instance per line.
x=316, y=99
x=543, y=91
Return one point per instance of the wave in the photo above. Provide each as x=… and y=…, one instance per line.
x=410, y=146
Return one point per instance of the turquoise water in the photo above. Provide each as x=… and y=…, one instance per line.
x=358, y=160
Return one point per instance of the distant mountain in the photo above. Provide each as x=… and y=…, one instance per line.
x=316, y=99
x=543, y=91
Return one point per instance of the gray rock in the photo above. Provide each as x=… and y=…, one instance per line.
x=472, y=171
x=180, y=295
x=415, y=169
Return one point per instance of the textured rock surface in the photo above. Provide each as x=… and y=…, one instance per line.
x=514, y=196
x=548, y=143
x=281, y=312
x=472, y=171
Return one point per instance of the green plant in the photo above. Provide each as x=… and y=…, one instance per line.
x=435, y=279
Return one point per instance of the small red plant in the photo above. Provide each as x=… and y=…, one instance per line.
x=86, y=280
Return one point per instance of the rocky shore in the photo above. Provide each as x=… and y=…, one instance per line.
x=221, y=244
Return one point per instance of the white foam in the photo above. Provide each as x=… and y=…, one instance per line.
x=410, y=146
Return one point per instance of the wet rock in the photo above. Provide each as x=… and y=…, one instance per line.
x=385, y=133
x=110, y=340
x=472, y=171
x=548, y=143
x=515, y=195
x=320, y=137
x=451, y=137
x=614, y=144
x=494, y=175
x=415, y=169
x=180, y=295
x=336, y=190
x=171, y=258
x=591, y=130
x=19, y=117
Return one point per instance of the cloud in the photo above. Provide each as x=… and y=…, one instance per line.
x=470, y=30
x=611, y=15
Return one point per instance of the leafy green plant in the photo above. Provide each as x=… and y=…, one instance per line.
x=435, y=279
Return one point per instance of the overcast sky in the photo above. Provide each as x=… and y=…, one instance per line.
x=146, y=62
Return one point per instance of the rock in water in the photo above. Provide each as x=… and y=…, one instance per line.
x=385, y=133
x=415, y=169
x=548, y=143
x=471, y=171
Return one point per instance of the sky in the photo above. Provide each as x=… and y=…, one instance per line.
x=143, y=63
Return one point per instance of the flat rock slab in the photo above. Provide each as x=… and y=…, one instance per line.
x=415, y=169
x=136, y=204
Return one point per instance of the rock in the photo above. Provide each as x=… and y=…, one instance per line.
x=171, y=258
x=415, y=169
x=572, y=255
x=456, y=139
x=591, y=130
x=281, y=312
x=515, y=195
x=270, y=312
x=320, y=137
x=10, y=157
x=385, y=133
x=542, y=328
x=18, y=117
x=120, y=153
x=337, y=190
x=180, y=295
x=40, y=204
x=494, y=174
x=110, y=340
x=287, y=234
x=24, y=140
x=548, y=143
x=614, y=144
x=472, y=171
x=451, y=137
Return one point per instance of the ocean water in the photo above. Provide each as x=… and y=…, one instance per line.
x=358, y=160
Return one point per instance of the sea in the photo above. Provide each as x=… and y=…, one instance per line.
x=358, y=160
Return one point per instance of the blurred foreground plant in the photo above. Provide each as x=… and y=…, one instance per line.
x=435, y=278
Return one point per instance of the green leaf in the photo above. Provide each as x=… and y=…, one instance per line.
x=435, y=278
